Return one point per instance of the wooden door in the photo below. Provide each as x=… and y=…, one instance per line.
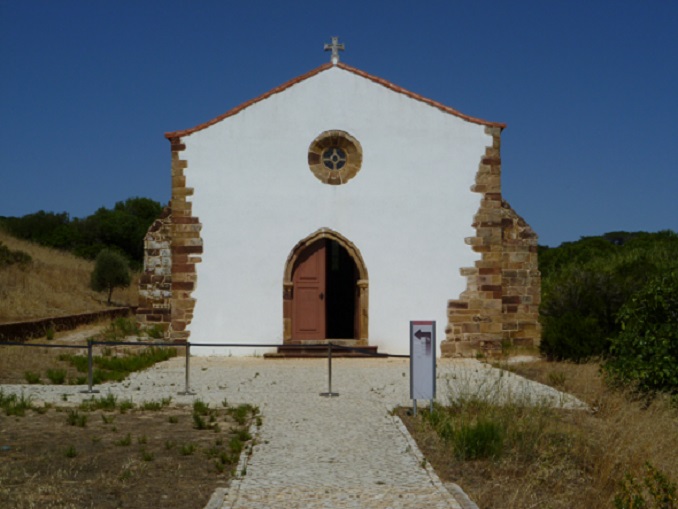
x=308, y=304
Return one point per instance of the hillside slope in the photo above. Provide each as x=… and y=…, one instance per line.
x=54, y=283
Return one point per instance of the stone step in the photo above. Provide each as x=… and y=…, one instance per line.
x=318, y=349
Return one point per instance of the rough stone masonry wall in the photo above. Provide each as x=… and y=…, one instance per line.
x=501, y=300
x=155, y=284
x=521, y=281
x=173, y=248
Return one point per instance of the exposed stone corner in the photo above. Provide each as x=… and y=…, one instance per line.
x=172, y=247
x=501, y=302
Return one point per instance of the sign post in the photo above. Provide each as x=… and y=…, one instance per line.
x=422, y=361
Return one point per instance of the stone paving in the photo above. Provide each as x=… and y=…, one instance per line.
x=314, y=452
x=341, y=452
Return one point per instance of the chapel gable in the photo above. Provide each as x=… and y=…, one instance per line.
x=331, y=210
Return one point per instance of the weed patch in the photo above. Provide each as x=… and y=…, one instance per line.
x=516, y=455
x=242, y=413
x=56, y=376
x=74, y=418
x=109, y=368
x=129, y=459
x=15, y=405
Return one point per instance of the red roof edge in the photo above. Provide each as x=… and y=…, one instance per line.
x=318, y=70
x=238, y=109
x=421, y=98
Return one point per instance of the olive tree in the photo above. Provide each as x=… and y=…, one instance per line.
x=111, y=270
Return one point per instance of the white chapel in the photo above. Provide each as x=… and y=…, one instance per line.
x=338, y=207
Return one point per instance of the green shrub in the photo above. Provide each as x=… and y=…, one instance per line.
x=32, y=378
x=235, y=445
x=244, y=435
x=586, y=283
x=56, y=376
x=155, y=332
x=200, y=407
x=124, y=442
x=146, y=455
x=572, y=336
x=152, y=406
x=578, y=314
x=121, y=328
x=477, y=429
x=656, y=491
x=241, y=413
x=122, y=228
x=199, y=421
x=187, y=449
x=75, y=418
x=79, y=362
x=107, y=403
x=9, y=257
x=15, y=405
x=125, y=405
x=645, y=353
x=479, y=440
x=118, y=368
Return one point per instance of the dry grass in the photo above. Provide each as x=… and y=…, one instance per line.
x=577, y=459
x=148, y=456
x=17, y=361
x=110, y=453
x=55, y=283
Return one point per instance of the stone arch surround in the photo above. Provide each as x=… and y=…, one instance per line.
x=363, y=281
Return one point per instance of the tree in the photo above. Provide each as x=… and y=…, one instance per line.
x=645, y=353
x=111, y=270
x=586, y=283
x=122, y=228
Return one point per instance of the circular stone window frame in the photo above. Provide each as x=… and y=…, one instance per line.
x=329, y=140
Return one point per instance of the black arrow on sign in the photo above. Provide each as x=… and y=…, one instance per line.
x=421, y=335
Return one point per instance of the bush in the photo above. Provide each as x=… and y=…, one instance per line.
x=656, y=491
x=121, y=228
x=9, y=257
x=645, y=353
x=155, y=332
x=478, y=440
x=586, y=283
x=111, y=271
x=572, y=336
x=56, y=376
x=578, y=314
x=120, y=328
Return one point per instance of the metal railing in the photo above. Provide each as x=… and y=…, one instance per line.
x=187, y=388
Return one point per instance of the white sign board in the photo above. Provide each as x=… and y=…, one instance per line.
x=422, y=360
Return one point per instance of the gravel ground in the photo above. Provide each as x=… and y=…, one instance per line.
x=344, y=452
x=256, y=380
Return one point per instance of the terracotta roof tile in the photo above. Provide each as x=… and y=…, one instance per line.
x=318, y=70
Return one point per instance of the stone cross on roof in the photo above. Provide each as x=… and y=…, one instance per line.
x=335, y=47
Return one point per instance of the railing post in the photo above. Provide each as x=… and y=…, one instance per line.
x=89, y=369
x=187, y=391
x=329, y=393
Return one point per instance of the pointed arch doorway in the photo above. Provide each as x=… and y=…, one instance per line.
x=325, y=291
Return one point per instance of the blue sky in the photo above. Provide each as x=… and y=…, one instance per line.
x=587, y=90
